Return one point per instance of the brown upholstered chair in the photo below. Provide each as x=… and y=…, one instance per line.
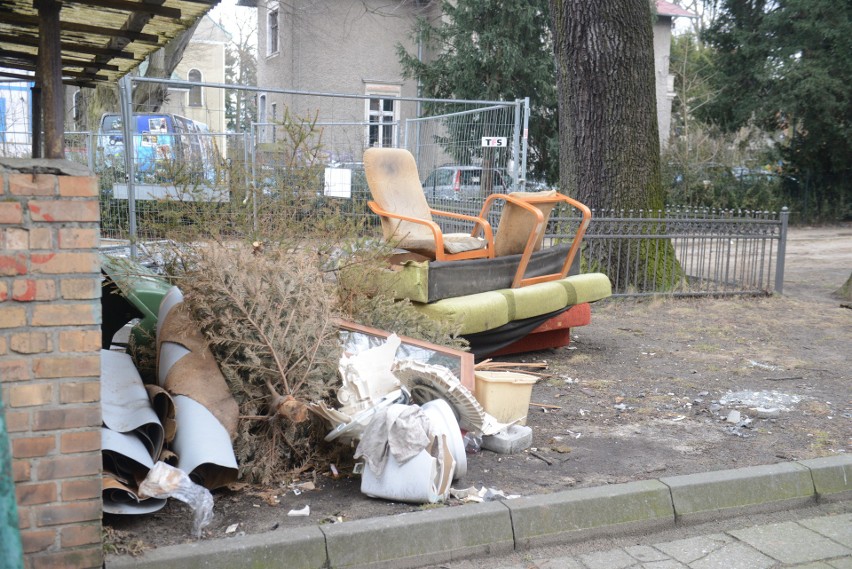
x=522, y=226
x=407, y=219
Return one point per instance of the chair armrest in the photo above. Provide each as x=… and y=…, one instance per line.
x=479, y=223
x=526, y=204
x=436, y=230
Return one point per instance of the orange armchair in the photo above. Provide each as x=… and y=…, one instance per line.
x=407, y=219
x=522, y=227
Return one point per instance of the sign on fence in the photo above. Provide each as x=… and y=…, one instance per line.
x=494, y=141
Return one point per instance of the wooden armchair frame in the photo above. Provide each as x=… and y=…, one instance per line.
x=480, y=224
x=528, y=204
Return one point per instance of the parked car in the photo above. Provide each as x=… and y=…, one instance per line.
x=465, y=183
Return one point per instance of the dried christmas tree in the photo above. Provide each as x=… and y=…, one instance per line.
x=269, y=319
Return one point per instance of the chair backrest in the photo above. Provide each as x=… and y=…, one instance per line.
x=395, y=187
x=515, y=223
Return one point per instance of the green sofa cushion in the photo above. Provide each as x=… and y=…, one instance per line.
x=488, y=310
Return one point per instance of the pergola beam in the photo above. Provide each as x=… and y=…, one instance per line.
x=49, y=79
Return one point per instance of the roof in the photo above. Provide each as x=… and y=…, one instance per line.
x=669, y=9
x=101, y=40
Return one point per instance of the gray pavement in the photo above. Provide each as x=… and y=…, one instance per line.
x=790, y=514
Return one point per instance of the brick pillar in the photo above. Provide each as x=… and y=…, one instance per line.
x=50, y=357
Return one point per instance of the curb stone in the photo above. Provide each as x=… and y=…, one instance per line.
x=573, y=515
x=420, y=538
x=428, y=537
x=759, y=488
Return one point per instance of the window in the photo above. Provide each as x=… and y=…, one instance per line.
x=194, y=95
x=77, y=106
x=272, y=29
x=261, y=118
x=274, y=119
x=2, y=119
x=382, y=111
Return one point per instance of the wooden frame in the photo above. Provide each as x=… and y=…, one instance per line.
x=528, y=203
x=440, y=255
x=464, y=360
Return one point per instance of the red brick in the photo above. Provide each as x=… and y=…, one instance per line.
x=33, y=541
x=83, y=534
x=70, y=366
x=37, y=493
x=64, y=210
x=11, y=213
x=14, y=370
x=17, y=421
x=78, y=238
x=68, y=513
x=66, y=314
x=80, y=341
x=45, y=289
x=23, y=290
x=85, y=489
x=70, y=466
x=30, y=394
x=80, y=392
x=4, y=291
x=81, y=289
x=67, y=418
x=78, y=186
x=32, y=185
x=31, y=343
x=64, y=263
x=88, y=558
x=23, y=517
x=13, y=316
x=16, y=238
x=21, y=470
x=13, y=265
x=29, y=447
x=80, y=441
x=41, y=238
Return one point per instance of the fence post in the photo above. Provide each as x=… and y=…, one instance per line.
x=125, y=91
x=782, y=251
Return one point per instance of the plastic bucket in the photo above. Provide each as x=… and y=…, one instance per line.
x=505, y=394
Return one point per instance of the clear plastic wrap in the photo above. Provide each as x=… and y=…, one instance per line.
x=164, y=481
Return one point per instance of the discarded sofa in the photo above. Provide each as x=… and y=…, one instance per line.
x=505, y=293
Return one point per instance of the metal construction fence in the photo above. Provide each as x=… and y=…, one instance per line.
x=306, y=149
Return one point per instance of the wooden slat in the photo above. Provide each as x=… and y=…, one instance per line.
x=155, y=8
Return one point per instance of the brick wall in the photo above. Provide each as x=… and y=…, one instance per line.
x=50, y=357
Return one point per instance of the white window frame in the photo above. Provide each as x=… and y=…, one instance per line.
x=273, y=28
x=263, y=127
x=378, y=118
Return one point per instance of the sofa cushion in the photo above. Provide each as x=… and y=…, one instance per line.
x=488, y=310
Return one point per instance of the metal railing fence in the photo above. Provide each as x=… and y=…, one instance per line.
x=676, y=251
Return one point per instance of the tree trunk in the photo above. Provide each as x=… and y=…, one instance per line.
x=609, y=146
x=845, y=292
x=149, y=97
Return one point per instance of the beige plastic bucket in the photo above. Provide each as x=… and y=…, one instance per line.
x=505, y=394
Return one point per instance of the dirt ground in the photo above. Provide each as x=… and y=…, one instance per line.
x=645, y=391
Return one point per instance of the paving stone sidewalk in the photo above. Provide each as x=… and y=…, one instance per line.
x=815, y=543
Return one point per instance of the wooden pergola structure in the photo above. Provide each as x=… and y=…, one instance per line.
x=82, y=42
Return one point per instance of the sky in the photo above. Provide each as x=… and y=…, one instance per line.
x=229, y=15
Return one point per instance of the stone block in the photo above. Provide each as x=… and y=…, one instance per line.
x=585, y=513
